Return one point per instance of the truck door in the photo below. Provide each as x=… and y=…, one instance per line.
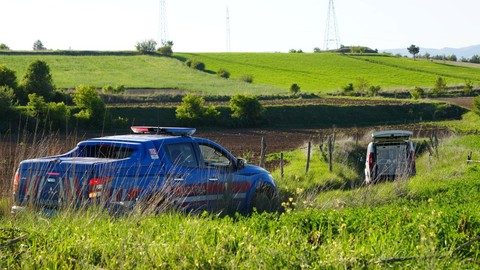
x=185, y=182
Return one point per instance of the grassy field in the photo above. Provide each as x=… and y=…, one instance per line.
x=328, y=72
x=429, y=221
x=272, y=73
x=133, y=72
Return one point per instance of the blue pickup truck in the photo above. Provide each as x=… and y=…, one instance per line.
x=154, y=168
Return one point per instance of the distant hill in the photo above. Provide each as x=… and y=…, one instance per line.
x=466, y=52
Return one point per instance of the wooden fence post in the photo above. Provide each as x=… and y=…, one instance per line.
x=330, y=152
x=281, y=165
x=263, y=152
x=308, y=156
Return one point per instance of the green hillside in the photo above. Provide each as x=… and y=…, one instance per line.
x=136, y=71
x=322, y=72
x=272, y=73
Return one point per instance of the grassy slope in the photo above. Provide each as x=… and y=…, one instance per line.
x=328, y=72
x=133, y=72
x=272, y=72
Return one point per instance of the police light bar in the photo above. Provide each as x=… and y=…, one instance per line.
x=173, y=131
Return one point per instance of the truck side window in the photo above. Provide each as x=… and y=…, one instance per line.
x=182, y=154
x=214, y=157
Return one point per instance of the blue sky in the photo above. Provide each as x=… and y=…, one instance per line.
x=255, y=25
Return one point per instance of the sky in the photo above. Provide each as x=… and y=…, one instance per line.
x=255, y=25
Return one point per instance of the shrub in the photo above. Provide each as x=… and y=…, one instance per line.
x=247, y=109
x=193, y=63
x=107, y=89
x=7, y=97
x=246, y=78
x=91, y=105
x=146, y=46
x=223, y=73
x=193, y=111
x=476, y=104
x=417, y=92
x=348, y=90
x=294, y=89
x=374, y=90
x=198, y=65
x=119, y=89
x=440, y=86
x=165, y=50
x=468, y=88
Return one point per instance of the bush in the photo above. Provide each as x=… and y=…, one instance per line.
x=248, y=78
x=294, y=89
x=374, y=90
x=165, y=50
x=223, y=73
x=193, y=111
x=417, y=92
x=348, y=90
x=476, y=105
x=7, y=97
x=146, y=46
x=440, y=86
x=92, y=108
x=468, y=88
x=247, y=109
x=198, y=65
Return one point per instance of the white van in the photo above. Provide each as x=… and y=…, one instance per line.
x=390, y=155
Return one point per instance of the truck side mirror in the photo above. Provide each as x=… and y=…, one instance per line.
x=241, y=163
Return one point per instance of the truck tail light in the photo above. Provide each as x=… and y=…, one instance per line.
x=370, y=160
x=96, y=186
x=16, y=182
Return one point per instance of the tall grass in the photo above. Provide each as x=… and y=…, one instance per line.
x=429, y=221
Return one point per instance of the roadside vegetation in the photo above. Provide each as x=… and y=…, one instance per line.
x=328, y=219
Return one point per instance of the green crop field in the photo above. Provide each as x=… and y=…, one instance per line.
x=272, y=73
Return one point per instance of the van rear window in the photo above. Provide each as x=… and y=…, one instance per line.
x=106, y=151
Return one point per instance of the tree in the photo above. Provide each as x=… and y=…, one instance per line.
x=4, y=47
x=8, y=77
x=247, y=109
x=413, y=50
x=362, y=85
x=294, y=89
x=6, y=100
x=146, y=46
x=316, y=50
x=475, y=59
x=38, y=46
x=374, y=90
x=439, y=87
x=91, y=105
x=468, y=88
x=193, y=111
x=38, y=80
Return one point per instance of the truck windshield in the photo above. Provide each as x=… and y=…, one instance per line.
x=106, y=151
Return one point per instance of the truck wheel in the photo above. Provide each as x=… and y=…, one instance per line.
x=264, y=200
